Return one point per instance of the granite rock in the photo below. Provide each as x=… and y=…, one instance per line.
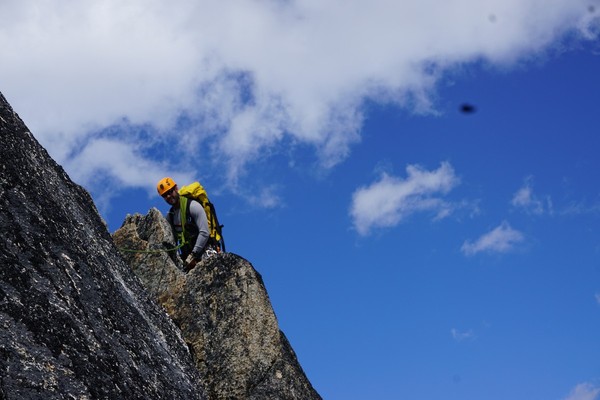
x=223, y=311
x=75, y=322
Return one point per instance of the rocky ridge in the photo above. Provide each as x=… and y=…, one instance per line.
x=224, y=313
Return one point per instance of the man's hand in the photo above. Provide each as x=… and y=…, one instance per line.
x=190, y=262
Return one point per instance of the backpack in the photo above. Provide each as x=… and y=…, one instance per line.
x=197, y=192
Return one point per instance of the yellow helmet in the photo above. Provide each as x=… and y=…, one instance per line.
x=164, y=185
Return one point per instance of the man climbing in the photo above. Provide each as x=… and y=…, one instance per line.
x=193, y=233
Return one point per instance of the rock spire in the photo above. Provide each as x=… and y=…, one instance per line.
x=224, y=314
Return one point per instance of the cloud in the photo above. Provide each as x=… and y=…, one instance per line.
x=584, y=391
x=266, y=198
x=525, y=199
x=388, y=201
x=460, y=336
x=106, y=157
x=581, y=208
x=235, y=78
x=501, y=239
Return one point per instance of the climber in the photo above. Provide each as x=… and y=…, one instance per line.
x=193, y=235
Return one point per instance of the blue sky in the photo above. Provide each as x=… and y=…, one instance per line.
x=410, y=250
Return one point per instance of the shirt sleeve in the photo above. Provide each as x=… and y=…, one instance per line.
x=198, y=215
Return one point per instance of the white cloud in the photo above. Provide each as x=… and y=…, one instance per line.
x=121, y=162
x=582, y=208
x=584, y=391
x=246, y=74
x=266, y=198
x=388, y=201
x=597, y=295
x=460, y=336
x=526, y=200
x=499, y=240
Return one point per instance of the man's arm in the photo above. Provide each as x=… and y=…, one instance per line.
x=198, y=215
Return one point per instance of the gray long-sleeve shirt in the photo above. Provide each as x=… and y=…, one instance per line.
x=198, y=217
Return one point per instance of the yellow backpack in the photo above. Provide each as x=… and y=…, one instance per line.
x=197, y=192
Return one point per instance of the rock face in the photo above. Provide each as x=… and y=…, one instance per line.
x=224, y=314
x=75, y=322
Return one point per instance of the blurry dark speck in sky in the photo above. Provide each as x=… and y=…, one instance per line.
x=467, y=108
x=592, y=9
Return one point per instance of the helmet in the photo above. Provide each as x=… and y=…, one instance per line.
x=164, y=185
